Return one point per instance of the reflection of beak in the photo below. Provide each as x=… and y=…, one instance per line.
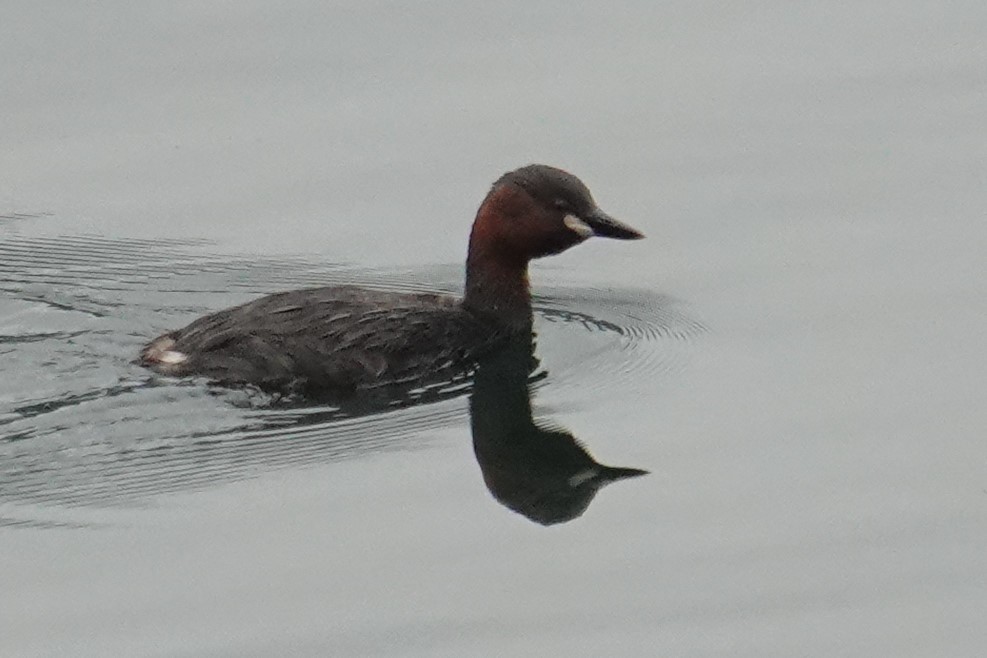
x=605, y=226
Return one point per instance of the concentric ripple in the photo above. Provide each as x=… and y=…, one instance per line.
x=80, y=424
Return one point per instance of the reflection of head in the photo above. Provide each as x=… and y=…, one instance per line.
x=540, y=472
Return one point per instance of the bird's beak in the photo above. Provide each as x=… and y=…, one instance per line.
x=605, y=226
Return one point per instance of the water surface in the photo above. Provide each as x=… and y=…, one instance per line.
x=795, y=353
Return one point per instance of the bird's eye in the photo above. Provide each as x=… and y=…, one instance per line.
x=561, y=204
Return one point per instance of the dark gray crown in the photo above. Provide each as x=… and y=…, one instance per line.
x=552, y=187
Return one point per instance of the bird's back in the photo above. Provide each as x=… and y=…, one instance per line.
x=334, y=339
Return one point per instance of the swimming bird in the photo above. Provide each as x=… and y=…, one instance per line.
x=338, y=340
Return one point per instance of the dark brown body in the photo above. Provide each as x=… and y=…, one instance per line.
x=343, y=339
x=336, y=339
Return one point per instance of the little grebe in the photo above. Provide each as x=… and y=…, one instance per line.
x=341, y=339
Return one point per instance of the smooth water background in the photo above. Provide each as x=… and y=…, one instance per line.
x=799, y=356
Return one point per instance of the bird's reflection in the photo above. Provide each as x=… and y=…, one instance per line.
x=536, y=470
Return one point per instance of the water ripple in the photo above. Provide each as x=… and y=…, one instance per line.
x=81, y=425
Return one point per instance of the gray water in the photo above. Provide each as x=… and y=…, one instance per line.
x=796, y=352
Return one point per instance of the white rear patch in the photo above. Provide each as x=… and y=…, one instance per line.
x=577, y=225
x=172, y=357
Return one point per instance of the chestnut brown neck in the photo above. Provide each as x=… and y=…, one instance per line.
x=496, y=267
